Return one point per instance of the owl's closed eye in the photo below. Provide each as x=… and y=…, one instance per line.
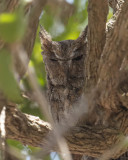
x=63, y=60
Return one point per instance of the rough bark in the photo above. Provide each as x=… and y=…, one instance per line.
x=112, y=65
x=26, y=128
x=96, y=39
x=88, y=140
x=117, y=6
x=92, y=140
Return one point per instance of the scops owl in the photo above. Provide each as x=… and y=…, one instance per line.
x=64, y=64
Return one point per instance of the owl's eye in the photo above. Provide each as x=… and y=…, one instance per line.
x=78, y=58
x=54, y=60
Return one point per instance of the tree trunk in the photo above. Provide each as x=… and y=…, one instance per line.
x=106, y=88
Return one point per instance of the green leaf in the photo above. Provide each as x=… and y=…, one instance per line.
x=8, y=84
x=12, y=26
x=15, y=143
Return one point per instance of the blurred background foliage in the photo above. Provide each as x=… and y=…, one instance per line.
x=63, y=21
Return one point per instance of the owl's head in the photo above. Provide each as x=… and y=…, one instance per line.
x=64, y=60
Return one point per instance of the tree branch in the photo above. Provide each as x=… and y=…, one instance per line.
x=113, y=55
x=8, y=6
x=63, y=14
x=96, y=38
x=29, y=39
x=88, y=140
x=117, y=6
x=25, y=128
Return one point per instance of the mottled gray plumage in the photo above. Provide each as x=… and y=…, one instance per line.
x=64, y=63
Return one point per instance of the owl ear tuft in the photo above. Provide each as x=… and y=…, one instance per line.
x=45, y=38
x=83, y=35
x=82, y=39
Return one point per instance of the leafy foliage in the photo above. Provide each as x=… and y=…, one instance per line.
x=12, y=26
x=8, y=83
